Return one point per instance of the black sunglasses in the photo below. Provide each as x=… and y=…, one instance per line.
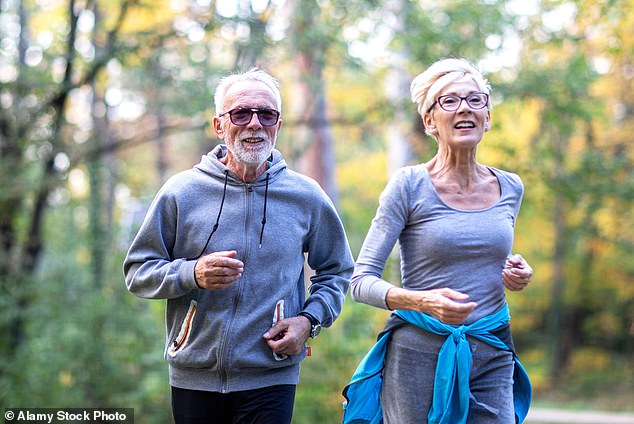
x=241, y=116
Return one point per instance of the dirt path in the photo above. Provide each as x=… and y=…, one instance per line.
x=557, y=416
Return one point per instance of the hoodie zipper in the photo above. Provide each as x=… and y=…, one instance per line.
x=247, y=219
x=223, y=359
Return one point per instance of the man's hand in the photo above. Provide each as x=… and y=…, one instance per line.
x=218, y=270
x=288, y=336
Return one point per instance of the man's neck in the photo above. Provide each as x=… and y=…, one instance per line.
x=245, y=171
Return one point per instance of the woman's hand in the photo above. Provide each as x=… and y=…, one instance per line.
x=447, y=305
x=517, y=273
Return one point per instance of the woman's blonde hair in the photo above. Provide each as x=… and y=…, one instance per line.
x=425, y=86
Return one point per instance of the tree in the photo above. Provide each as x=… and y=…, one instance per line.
x=36, y=119
x=573, y=162
x=53, y=125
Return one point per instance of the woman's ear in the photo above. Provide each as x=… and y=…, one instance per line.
x=430, y=126
x=487, y=122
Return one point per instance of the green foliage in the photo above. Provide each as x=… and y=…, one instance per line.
x=335, y=355
x=451, y=29
x=593, y=373
x=86, y=345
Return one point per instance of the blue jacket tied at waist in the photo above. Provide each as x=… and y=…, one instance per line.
x=450, y=403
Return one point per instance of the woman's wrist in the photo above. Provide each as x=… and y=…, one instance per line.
x=399, y=298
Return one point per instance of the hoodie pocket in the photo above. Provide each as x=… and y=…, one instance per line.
x=186, y=328
x=278, y=315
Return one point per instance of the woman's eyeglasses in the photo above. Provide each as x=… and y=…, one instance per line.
x=451, y=102
x=241, y=116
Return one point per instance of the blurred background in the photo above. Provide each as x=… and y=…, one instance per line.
x=101, y=101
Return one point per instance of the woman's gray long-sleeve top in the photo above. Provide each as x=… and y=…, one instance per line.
x=440, y=246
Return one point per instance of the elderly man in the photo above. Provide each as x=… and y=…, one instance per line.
x=225, y=243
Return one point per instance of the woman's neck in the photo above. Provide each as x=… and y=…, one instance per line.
x=458, y=167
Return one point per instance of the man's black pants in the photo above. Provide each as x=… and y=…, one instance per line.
x=268, y=405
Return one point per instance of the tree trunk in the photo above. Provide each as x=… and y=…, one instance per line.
x=399, y=149
x=309, y=99
x=318, y=160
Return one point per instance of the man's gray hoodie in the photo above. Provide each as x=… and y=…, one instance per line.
x=214, y=337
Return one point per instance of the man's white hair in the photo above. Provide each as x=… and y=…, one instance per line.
x=253, y=74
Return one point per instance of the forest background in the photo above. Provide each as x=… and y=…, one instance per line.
x=101, y=101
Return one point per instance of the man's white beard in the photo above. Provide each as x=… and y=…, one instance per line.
x=253, y=156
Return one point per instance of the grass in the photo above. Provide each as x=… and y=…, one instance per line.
x=592, y=381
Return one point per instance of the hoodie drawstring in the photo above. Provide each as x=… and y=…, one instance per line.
x=222, y=203
x=266, y=193
x=215, y=227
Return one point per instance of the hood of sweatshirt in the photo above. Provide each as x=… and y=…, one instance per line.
x=210, y=164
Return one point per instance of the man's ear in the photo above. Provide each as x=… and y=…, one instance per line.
x=220, y=132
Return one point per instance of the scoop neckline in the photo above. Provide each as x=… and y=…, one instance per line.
x=445, y=204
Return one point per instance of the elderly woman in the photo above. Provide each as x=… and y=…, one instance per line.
x=446, y=354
